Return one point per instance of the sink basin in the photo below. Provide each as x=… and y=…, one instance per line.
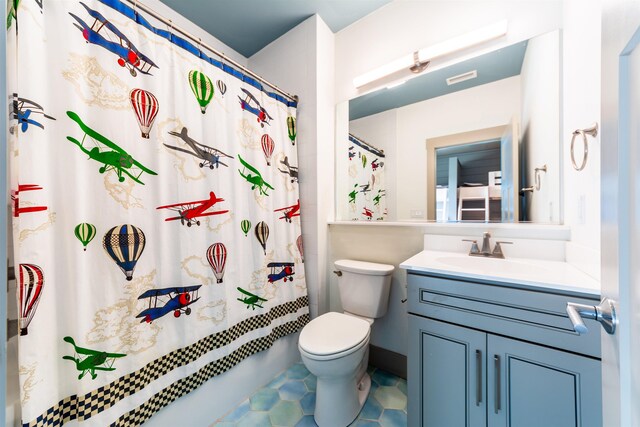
x=491, y=265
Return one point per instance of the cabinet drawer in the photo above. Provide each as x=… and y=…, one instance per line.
x=527, y=314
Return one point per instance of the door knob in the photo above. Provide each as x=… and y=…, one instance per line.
x=605, y=313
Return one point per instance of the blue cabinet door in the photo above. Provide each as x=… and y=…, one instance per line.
x=530, y=386
x=446, y=375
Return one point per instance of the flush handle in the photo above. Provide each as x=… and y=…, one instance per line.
x=338, y=273
x=605, y=313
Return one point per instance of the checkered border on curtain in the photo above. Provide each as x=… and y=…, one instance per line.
x=181, y=387
x=96, y=401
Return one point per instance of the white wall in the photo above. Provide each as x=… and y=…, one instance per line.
x=540, y=125
x=581, y=96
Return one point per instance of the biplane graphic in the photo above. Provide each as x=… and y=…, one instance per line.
x=292, y=171
x=210, y=156
x=368, y=213
x=15, y=197
x=365, y=188
x=380, y=195
x=289, y=212
x=167, y=300
x=22, y=110
x=352, y=154
x=256, y=180
x=103, y=33
x=250, y=299
x=109, y=154
x=90, y=361
x=251, y=104
x=189, y=212
x=280, y=270
x=353, y=194
x=376, y=164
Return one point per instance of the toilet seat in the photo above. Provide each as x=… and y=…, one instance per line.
x=333, y=335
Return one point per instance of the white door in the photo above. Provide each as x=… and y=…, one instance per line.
x=620, y=189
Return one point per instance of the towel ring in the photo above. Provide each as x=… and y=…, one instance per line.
x=593, y=132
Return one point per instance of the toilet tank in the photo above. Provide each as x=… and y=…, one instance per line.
x=364, y=287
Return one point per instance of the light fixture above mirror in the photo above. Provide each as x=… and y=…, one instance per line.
x=419, y=60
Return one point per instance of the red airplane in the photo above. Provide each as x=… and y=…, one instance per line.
x=17, y=210
x=368, y=213
x=290, y=211
x=189, y=211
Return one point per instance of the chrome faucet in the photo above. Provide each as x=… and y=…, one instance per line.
x=486, y=247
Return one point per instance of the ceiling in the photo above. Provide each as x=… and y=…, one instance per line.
x=247, y=26
x=492, y=66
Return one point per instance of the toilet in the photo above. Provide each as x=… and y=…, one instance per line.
x=335, y=346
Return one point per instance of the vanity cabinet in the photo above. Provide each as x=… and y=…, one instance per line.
x=487, y=354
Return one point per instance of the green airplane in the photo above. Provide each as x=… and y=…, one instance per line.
x=113, y=159
x=352, y=195
x=94, y=361
x=256, y=179
x=250, y=299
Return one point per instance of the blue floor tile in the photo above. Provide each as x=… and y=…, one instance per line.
x=393, y=418
x=289, y=400
x=292, y=390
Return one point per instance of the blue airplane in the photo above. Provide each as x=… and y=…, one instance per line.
x=167, y=300
x=114, y=41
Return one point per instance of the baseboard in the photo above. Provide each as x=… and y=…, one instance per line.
x=387, y=360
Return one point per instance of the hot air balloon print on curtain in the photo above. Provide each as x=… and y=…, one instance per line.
x=217, y=257
x=245, y=226
x=262, y=234
x=29, y=294
x=85, y=232
x=291, y=129
x=202, y=88
x=267, y=147
x=145, y=107
x=222, y=88
x=299, y=246
x=124, y=244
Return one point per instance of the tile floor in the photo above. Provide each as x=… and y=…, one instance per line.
x=290, y=398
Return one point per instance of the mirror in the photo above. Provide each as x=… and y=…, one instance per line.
x=478, y=140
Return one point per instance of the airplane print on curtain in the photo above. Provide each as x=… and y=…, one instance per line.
x=156, y=213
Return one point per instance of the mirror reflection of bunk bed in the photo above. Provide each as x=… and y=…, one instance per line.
x=468, y=179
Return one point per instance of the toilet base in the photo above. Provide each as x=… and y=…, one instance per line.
x=351, y=403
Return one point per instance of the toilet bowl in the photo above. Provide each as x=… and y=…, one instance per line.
x=335, y=346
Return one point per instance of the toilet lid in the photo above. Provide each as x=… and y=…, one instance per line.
x=333, y=333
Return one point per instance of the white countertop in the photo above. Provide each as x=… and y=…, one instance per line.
x=528, y=272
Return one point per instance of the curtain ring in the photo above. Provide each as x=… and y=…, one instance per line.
x=135, y=7
x=593, y=132
x=199, y=47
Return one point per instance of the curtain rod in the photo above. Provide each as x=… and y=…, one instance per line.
x=360, y=140
x=137, y=5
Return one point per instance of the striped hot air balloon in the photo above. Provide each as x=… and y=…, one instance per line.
x=299, y=246
x=29, y=293
x=291, y=129
x=145, y=106
x=245, y=226
x=222, y=88
x=267, y=147
x=85, y=233
x=217, y=257
x=202, y=88
x=262, y=234
x=124, y=244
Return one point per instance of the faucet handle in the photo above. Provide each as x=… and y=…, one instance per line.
x=474, y=246
x=497, y=249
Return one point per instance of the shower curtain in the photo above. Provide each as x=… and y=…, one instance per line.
x=155, y=213
x=367, y=193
